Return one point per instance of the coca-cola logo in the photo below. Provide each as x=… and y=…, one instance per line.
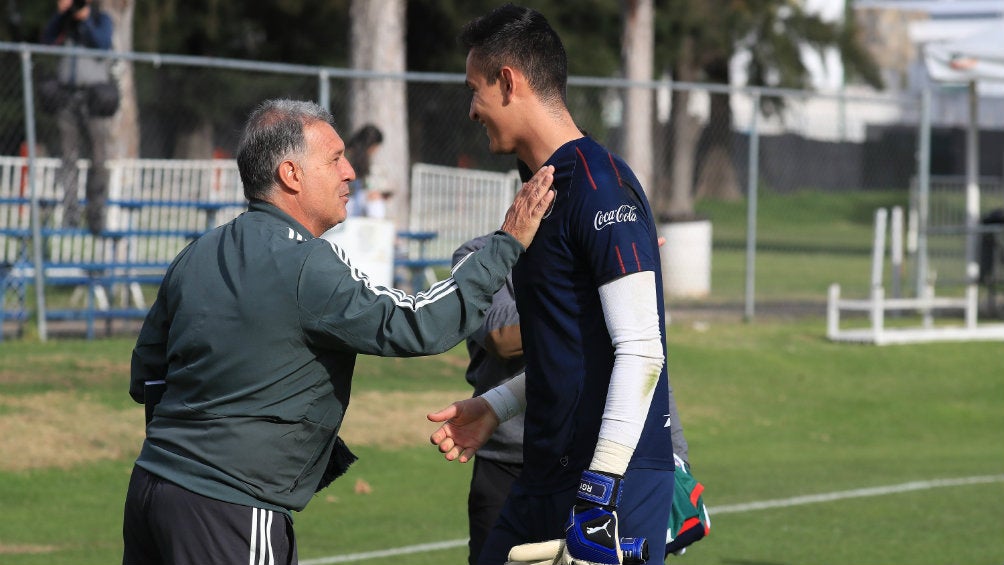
x=624, y=213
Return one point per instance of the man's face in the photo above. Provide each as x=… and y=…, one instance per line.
x=489, y=109
x=326, y=177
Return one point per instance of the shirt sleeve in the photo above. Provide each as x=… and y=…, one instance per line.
x=149, y=356
x=500, y=333
x=96, y=32
x=612, y=226
x=630, y=312
x=50, y=33
x=342, y=309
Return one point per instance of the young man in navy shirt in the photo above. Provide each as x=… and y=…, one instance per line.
x=598, y=457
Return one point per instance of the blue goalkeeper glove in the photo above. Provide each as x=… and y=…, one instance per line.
x=591, y=535
x=634, y=550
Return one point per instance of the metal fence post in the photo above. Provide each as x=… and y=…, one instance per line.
x=324, y=89
x=923, y=189
x=36, y=228
x=751, y=206
x=972, y=206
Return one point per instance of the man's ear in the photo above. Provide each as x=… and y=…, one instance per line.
x=289, y=176
x=508, y=78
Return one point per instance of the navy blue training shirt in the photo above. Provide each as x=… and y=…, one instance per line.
x=600, y=228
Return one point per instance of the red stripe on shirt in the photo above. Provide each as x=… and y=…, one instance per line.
x=616, y=170
x=584, y=163
x=620, y=259
x=634, y=248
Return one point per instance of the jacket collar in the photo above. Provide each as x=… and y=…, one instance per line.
x=296, y=230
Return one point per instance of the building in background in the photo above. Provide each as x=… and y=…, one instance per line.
x=897, y=32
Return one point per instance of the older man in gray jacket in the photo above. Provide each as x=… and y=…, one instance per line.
x=255, y=332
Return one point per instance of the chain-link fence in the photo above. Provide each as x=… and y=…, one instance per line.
x=788, y=180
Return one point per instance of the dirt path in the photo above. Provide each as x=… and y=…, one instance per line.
x=62, y=429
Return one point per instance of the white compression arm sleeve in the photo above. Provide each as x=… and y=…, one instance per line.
x=509, y=398
x=631, y=312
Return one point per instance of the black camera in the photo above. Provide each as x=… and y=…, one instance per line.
x=78, y=5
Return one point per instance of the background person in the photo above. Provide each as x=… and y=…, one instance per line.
x=597, y=452
x=496, y=355
x=369, y=196
x=253, y=338
x=80, y=23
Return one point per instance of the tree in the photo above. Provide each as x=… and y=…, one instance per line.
x=378, y=45
x=702, y=39
x=673, y=196
x=638, y=42
x=194, y=110
x=125, y=142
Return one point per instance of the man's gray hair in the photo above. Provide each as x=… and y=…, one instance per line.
x=274, y=132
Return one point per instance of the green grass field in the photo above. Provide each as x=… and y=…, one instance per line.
x=772, y=411
x=805, y=242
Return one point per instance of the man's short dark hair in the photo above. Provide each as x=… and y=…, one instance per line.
x=520, y=38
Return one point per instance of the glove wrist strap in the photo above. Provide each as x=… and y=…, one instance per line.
x=600, y=488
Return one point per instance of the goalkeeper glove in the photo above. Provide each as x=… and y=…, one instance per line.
x=634, y=550
x=591, y=535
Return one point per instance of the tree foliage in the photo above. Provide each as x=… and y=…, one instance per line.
x=699, y=40
x=315, y=32
x=590, y=30
x=695, y=40
x=23, y=21
x=310, y=32
x=773, y=32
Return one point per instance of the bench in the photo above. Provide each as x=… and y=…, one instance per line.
x=416, y=268
x=154, y=209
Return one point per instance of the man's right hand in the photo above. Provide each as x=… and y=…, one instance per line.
x=467, y=425
x=531, y=203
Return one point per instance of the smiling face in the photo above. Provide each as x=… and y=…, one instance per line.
x=325, y=174
x=490, y=108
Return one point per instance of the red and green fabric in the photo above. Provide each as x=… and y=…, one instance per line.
x=689, y=520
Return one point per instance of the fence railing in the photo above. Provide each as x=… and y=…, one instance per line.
x=186, y=109
x=457, y=204
x=155, y=207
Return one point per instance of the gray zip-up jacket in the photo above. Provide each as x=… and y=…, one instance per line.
x=485, y=370
x=255, y=330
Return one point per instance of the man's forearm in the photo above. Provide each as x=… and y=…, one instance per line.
x=505, y=342
x=632, y=318
x=508, y=399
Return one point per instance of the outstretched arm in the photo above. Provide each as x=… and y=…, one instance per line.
x=629, y=308
x=343, y=310
x=469, y=423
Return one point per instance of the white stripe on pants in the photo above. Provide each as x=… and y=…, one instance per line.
x=261, y=535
